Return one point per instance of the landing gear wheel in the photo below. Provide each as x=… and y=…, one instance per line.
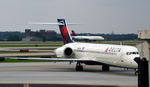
x=79, y=67
x=2, y=59
x=136, y=72
x=105, y=68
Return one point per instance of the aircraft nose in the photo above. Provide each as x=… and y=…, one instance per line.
x=137, y=59
x=133, y=62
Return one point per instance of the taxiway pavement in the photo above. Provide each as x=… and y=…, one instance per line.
x=64, y=73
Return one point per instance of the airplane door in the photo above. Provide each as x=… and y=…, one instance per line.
x=122, y=57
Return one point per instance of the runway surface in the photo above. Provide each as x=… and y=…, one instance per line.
x=64, y=73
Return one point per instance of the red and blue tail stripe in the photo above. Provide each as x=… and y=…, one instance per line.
x=64, y=31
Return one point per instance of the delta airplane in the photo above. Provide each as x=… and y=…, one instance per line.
x=90, y=38
x=93, y=54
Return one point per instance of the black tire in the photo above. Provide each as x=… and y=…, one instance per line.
x=136, y=72
x=79, y=68
x=2, y=59
x=105, y=68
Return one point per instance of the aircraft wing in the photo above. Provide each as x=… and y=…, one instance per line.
x=60, y=59
x=52, y=59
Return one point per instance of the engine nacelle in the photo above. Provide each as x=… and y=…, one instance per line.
x=64, y=52
x=68, y=52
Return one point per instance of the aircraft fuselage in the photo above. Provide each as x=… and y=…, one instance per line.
x=114, y=55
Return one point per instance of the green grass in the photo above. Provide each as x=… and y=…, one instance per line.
x=30, y=44
x=17, y=60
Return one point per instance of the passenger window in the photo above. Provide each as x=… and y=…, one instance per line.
x=134, y=52
x=129, y=53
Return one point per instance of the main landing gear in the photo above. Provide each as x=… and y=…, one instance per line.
x=79, y=67
x=105, y=68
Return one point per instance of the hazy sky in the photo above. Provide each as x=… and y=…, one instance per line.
x=96, y=16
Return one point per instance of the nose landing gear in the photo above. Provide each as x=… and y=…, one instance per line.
x=79, y=67
x=136, y=72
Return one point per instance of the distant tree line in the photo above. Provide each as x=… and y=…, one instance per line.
x=18, y=36
x=11, y=36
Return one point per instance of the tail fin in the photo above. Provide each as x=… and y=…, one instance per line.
x=64, y=31
x=73, y=33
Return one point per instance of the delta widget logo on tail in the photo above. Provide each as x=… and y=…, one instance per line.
x=64, y=32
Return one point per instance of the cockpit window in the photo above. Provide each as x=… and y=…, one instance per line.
x=129, y=53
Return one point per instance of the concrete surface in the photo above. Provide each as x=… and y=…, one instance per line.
x=63, y=73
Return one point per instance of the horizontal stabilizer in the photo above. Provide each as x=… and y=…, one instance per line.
x=47, y=23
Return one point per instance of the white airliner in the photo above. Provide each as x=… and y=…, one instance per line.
x=93, y=54
x=90, y=38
